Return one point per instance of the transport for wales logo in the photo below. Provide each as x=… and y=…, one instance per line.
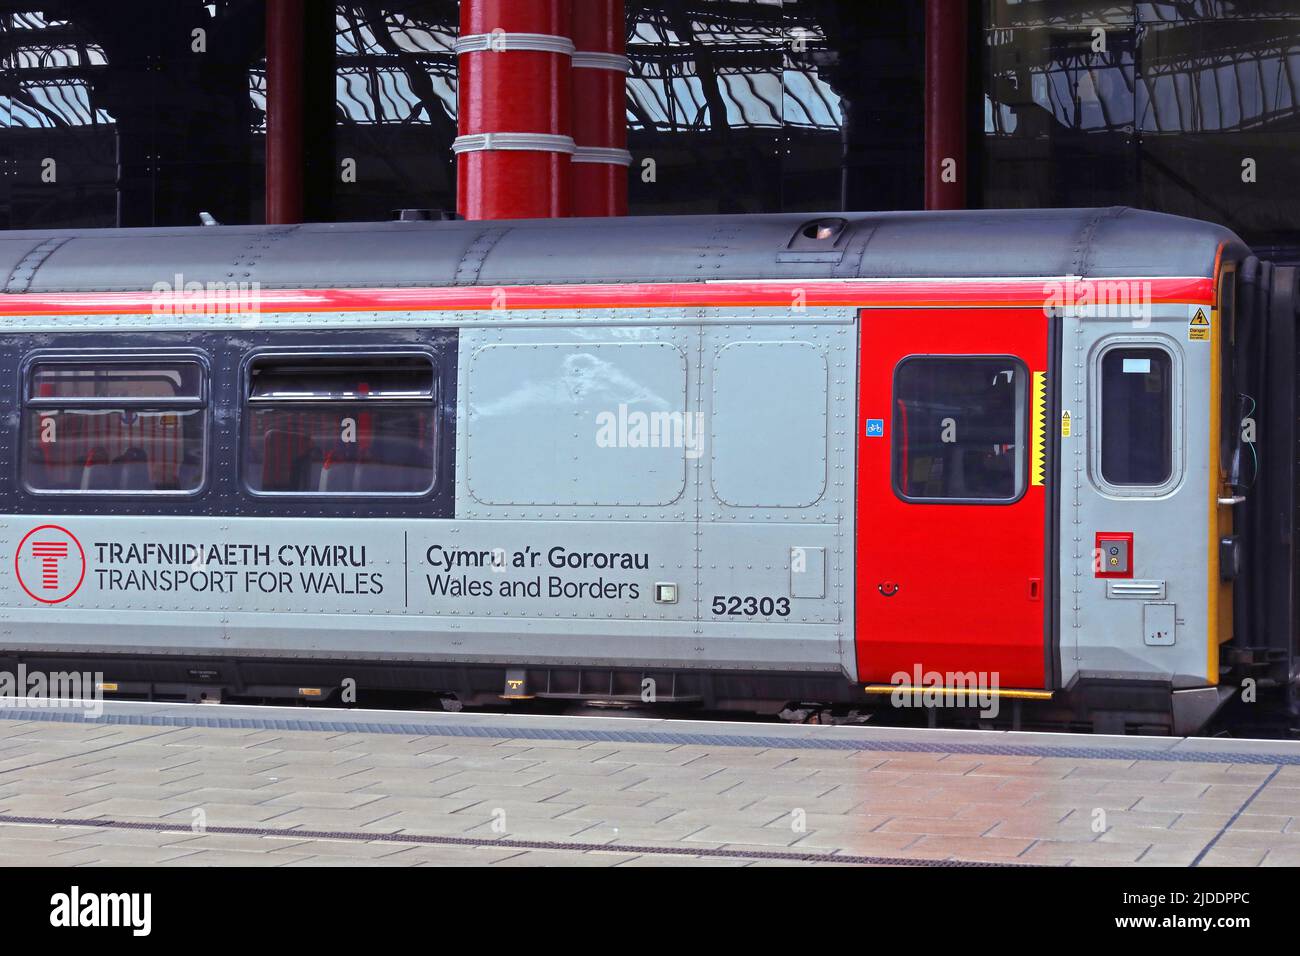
x=50, y=564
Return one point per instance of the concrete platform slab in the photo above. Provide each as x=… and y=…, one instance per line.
x=198, y=785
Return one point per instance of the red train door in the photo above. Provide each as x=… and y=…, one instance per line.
x=952, y=507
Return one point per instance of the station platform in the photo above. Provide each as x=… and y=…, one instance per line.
x=202, y=785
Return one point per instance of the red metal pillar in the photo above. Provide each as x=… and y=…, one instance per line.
x=945, y=104
x=515, y=144
x=284, y=106
x=600, y=68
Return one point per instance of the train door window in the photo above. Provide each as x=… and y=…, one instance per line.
x=340, y=425
x=114, y=426
x=959, y=428
x=1136, y=397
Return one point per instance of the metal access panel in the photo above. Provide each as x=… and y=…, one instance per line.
x=1159, y=624
x=606, y=423
x=769, y=406
x=807, y=572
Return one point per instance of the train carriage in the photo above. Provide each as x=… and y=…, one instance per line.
x=764, y=463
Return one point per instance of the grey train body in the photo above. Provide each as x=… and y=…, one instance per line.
x=601, y=476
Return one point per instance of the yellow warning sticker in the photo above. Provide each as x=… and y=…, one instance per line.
x=1198, y=328
x=1065, y=424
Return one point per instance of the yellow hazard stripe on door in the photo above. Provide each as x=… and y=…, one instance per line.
x=1038, y=463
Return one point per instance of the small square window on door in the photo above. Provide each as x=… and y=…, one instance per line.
x=1135, y=448
x=959, y=428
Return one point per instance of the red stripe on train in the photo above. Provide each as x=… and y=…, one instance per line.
x=867, y=293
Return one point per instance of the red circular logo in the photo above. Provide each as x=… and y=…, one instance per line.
x=50, y=564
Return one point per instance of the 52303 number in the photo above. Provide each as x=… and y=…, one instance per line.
x=734, y=605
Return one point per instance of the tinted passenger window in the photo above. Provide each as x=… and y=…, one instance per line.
x=1137, y=405
x=108, y=426
x=959, y=428
x=340, y=426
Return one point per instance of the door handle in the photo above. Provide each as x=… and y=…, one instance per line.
x=887, y=588
x=1035, y=589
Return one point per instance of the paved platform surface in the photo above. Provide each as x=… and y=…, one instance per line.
x=203, y=785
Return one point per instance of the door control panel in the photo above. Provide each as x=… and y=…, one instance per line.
x=1113, y=554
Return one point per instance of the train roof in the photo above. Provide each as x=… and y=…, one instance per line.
x=1091, y=243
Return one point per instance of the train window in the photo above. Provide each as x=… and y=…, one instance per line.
x=114, y=426
x=340, y=384
x=1137, y=414
x=340, y=425
x=100, y=381
x=959, y=428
